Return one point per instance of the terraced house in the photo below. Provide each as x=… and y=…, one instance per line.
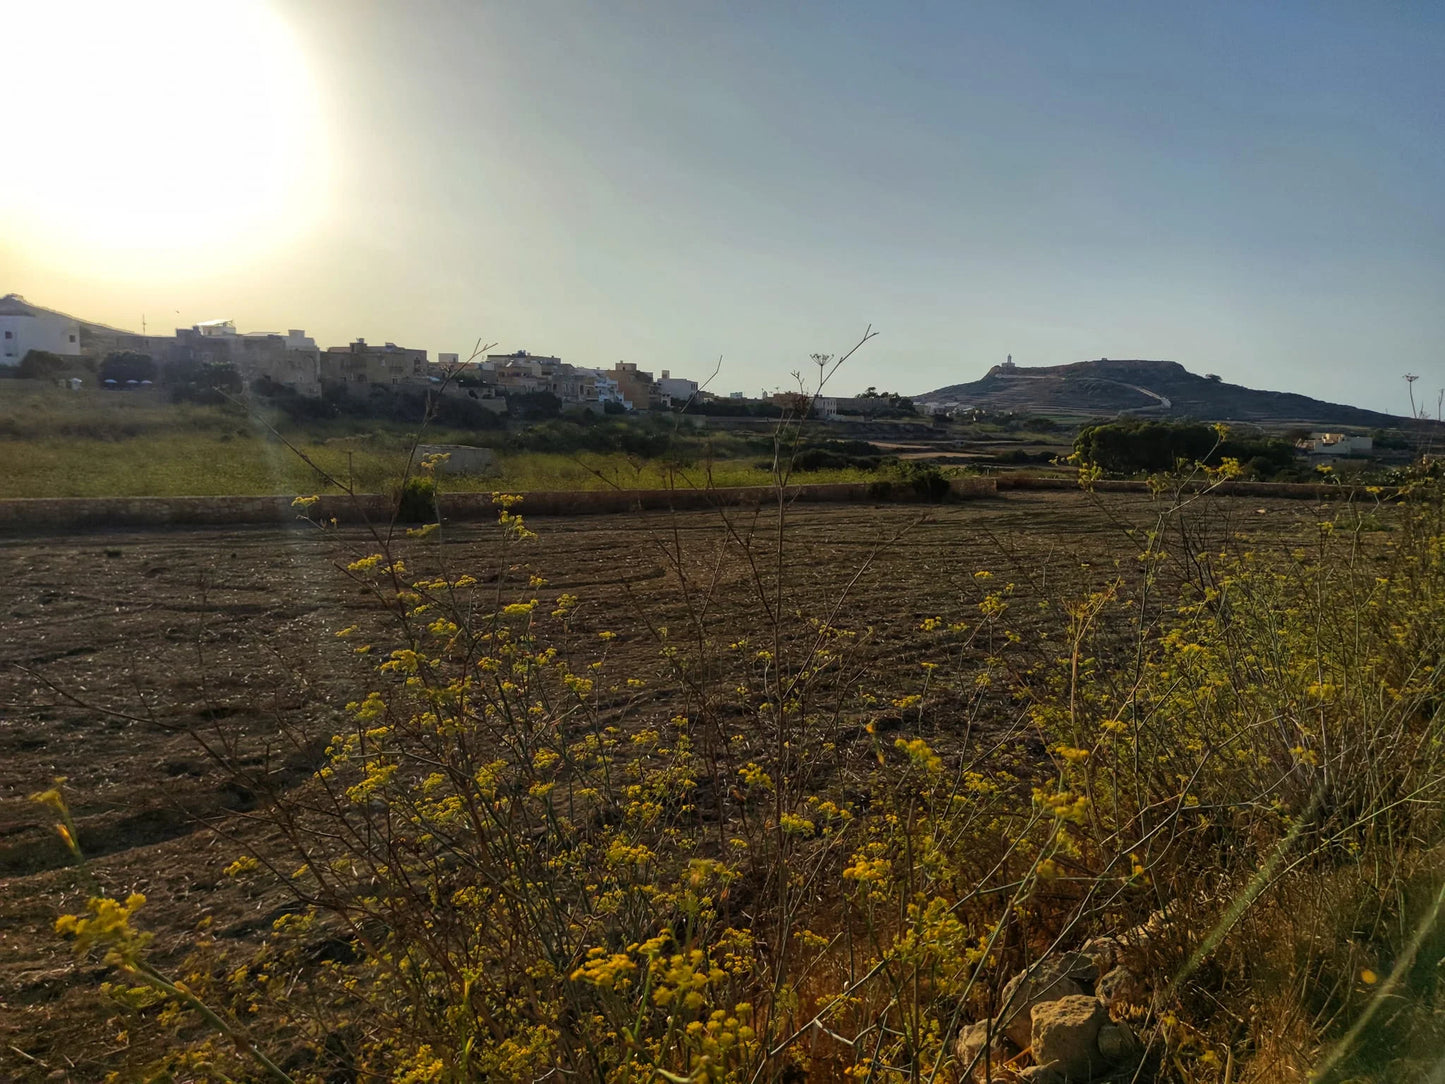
x=291, y=360
x=360, y=367
x=522, y=373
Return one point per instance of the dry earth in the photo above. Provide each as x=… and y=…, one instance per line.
x=120, y=650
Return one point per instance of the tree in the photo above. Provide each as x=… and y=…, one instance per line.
x=534, y=405
x=41, y=365
x=126, y=365
x=201, y=380
x=1130, y=446
x=885, y=403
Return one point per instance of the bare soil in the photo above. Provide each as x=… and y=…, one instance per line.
x=121, y=652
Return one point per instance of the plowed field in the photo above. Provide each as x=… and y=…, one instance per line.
x=122, y=652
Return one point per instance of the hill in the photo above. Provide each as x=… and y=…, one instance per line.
x=1106, y=388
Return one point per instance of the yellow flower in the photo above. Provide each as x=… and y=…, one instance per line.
x=795, y=825
x=754, y=776
x=921, y=754
x=242, y=865
x=107, y=927
x=51, y=798
x=607, y=971
x=868, y=870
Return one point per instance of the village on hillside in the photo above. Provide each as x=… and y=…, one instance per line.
x=212, y=359
x=43, y=343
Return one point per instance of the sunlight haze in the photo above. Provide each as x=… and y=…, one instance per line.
x=1250, y=190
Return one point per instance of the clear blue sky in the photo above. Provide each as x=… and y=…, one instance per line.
x=1249, y=189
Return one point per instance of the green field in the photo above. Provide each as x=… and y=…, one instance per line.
x=100, y=444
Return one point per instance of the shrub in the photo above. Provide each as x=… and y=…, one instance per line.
x=815, y=459
x=43, y=365
x=126, y=365
x=417, y=502
x=649, y=438
x=1131, y=446
x=203, y=382
x=534, y=405
x=1019, y=456
x=926, y=480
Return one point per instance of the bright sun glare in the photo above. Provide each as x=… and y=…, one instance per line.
x=157, y=129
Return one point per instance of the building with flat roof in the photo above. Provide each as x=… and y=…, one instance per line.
x=360, y=367
x=25, y=327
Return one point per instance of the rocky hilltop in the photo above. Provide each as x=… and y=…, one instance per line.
x=1105, y=388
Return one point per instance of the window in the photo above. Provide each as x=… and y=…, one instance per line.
x=10, y=334
x=72, y=338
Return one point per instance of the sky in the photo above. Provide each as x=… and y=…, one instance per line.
x=1252, y=190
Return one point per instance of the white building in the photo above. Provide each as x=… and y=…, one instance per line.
x=607, y=389
x=216, y=329
x=25, y=327
x=1338, y=444
x=674, y=389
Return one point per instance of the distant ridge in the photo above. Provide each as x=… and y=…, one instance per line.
x=1106, y=388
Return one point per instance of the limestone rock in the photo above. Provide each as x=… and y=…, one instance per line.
x=970, y=1046
x=1105, y=952
x=1066, y=1035
x=1117, y=1042
x=1079, y=966
x=1047, y=980
x=1120, y=986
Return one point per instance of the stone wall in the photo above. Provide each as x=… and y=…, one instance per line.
x=1296, y=490
x=45, y=513
x=80, y=513
x=67, y=513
